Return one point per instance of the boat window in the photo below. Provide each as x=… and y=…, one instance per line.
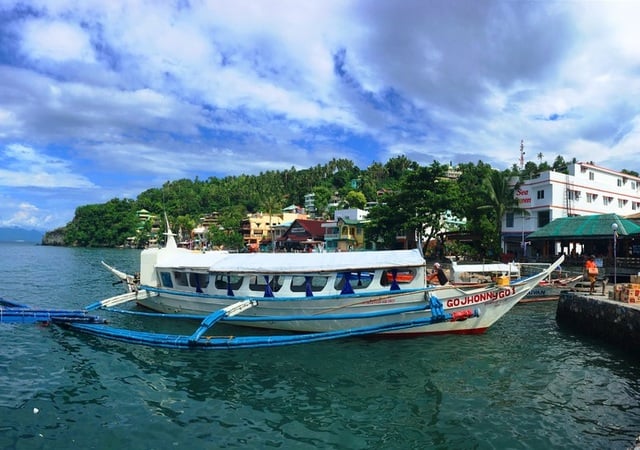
x=317, y=283
x=199, y=280
x=234, y=281
x=181, y=278
x=358, y=280
x=403, y=276
x=165, y=278
x=258, y=283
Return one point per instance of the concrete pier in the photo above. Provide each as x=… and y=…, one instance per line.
x=600, y=317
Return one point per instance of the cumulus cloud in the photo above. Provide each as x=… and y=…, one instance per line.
x=25, y=167
x=55, y=40
x=117, y=95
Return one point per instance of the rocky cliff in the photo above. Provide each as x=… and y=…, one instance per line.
x=55, y=237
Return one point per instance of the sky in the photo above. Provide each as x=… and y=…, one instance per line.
x=106, y=99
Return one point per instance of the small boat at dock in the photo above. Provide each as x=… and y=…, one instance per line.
x=464, y=274
x=550, y=289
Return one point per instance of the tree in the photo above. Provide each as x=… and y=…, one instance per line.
x=560, y=165
x=424, y=196
x=479, y=224
x=322, y=195
x=107, y=225
x=355, y=199
x=530, y=170
x=500, y=199
x=383, y=226
x=272, y=205
x=397, y=166
x=377, y=173
x=630, y=172
x=183, y=226
x=227, y=234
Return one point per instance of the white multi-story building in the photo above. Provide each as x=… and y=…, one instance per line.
x=309, y=203
x=586, y=189
x=350, y=213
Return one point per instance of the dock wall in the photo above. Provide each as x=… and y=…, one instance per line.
x=612, y=321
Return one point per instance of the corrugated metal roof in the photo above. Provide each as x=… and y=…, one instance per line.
x=596, y=226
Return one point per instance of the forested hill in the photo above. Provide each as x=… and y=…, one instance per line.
x=186, y=201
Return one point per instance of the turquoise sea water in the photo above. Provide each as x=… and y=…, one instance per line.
x=524, y=384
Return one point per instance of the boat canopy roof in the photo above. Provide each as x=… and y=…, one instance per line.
x=303, y=263
x=182, y=258
x=489, y=267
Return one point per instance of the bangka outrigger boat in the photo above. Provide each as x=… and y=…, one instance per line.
x=310, y=296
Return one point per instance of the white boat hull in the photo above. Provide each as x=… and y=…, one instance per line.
x=489, y=305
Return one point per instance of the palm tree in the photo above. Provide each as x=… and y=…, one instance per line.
x=271, y=204
x=501, y=197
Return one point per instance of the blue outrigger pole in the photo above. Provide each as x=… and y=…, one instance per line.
x=11, y=312
x=80, y=320
x=200, y=341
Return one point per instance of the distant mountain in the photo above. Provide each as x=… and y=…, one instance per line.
x=15, y=234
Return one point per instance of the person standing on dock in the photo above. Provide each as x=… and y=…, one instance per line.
x=591, y=269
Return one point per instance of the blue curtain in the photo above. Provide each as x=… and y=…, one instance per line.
x=307, y=282
x=198, y=288
x=394, y=280
x=267, y=289
x=346, y=289
x=229, y=290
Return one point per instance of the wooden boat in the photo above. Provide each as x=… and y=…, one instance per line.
x=550, y=289
x=316, y=292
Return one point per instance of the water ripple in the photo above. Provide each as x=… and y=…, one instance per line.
x=523, y=385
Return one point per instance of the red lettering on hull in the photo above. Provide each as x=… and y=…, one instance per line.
x=480, y=298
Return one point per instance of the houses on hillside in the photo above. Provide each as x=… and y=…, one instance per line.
x=346, y=231
x=585, y=190
x=295, y=232
x=259, y=230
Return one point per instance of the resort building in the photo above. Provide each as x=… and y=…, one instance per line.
x=256, y=228
x=586, y=189
x=147, y=230
x=210, y=220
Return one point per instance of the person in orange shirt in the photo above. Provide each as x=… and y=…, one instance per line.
x=591, y=269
